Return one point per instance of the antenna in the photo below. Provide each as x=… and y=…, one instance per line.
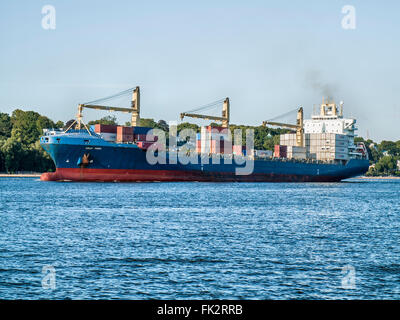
x=341, y=108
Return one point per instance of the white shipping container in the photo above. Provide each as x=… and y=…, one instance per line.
x=299, y=156
x=263, y=153
x=296, y=149
x=109, y=136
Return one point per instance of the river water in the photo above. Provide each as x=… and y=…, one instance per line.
x=199, y=240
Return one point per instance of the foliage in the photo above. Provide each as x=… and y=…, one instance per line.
x=105, y=120
x=187, y=125
x=5, y=125
x=264, y=138
x=386, y=166
x=150, y=123
x=19, y=142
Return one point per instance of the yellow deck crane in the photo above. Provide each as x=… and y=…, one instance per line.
x=299, y=127
x=134, y=110
x=224, y=119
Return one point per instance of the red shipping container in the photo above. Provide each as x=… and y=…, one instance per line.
x=125, y=130
x=238, y=150
x=219, y=146
x=105, y=128
x=124, y=134
x=198, y=146
x=280, y=151
x=144, y=137
x=216, y=129
x=151, y=137
x=125, y=138
x=140, y=137
x=146, y=144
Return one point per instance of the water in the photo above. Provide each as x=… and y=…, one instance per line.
x=200, y=240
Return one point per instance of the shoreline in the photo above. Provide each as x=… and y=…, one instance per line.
x=377, y=177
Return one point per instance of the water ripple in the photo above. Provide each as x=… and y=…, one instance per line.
x=199, y=240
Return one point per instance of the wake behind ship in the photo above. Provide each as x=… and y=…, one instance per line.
x=321, y=150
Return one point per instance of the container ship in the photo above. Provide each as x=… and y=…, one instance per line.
x=320, y=149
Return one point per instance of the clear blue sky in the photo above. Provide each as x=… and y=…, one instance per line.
x=267, y=56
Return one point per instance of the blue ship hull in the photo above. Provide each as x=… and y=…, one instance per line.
x=127, y=162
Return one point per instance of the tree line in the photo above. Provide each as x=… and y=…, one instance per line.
x=20, y=149
x=384, y=157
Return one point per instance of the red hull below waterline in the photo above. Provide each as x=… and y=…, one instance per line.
x=123, y=175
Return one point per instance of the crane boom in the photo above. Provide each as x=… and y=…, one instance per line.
x=135, y=109
x=200, y=116
x=224, y=119
x=299, y=127
x=279, y=124
x=97, y=107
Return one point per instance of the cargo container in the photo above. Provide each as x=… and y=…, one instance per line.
x=124, y=134
x=141, y=130
x=111, y=137
x=212, y=133
x=145, y=137
x=296, y=149
x=263, y=153
x=239, y=150
x=198, y=146
x=144, y=144
x=280, y=151
x=105, y=128
x=221, y=146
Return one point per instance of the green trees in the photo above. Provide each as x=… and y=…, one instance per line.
x=264, y=138
x=187, y=125
x=387, y=165
x=13, y=154
x=105, y=120
x=19, y=142
x=392, y=148
x=384, y=157
x=5, y=125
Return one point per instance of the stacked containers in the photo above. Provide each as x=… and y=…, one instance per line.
x=237, y=150
x=198, y=143
x=144, y=144
x=140, y=134
x=280, y=151
x=213, y=140
x=327, y=146
x=288, y=139
x=142, y=139
x=296, y=152
x=220, y=146
x=319, y=146
x=263, y=153
x=107, y=131
x=124, y=134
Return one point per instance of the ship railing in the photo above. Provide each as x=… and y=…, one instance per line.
x=52, y=131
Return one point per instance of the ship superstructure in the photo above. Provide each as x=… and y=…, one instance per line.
x=327, y=136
